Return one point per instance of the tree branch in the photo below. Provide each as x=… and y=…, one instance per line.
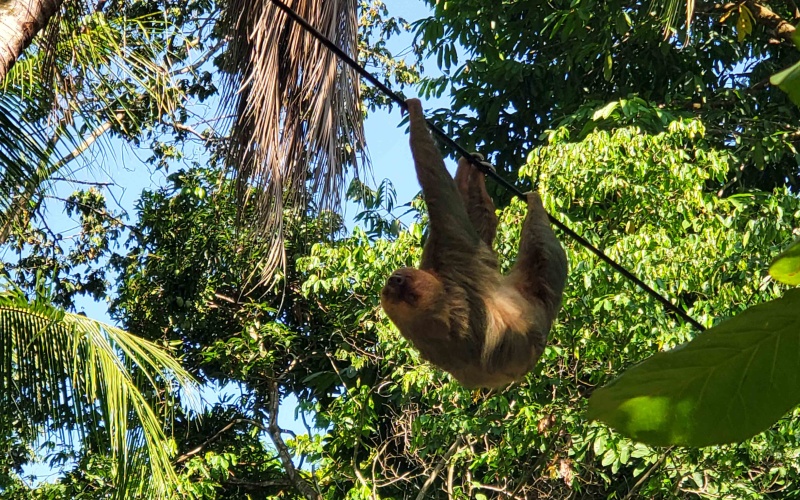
x=88, y=141
x=647, y=474
x=190, y=454
x=283, y=451
x=257, y=485
x=783, y=28
x=85, y=183
x=203, y=59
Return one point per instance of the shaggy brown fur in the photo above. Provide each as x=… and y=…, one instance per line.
x=484, y=328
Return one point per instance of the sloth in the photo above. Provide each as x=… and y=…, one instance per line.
x=457, y=309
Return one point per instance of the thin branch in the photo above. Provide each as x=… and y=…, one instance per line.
x=505, y=493
x=647, y=474
x=17, y=208
x=186, y=128
x=87, y=183
x=190, y=454
x=436, y=470
x=203, y=59
x=257, y=485
x=101, y=213
x=283, y=451
x=539, y=462
x=450, y=473
x=88, y=141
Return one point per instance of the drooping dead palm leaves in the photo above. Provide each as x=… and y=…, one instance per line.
x=298, y=121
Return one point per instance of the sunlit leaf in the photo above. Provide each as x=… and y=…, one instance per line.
x=726, y=385
x=744, y=25
x=788, y=80
x=50, y=354
x=786, y=266
x=605, y=111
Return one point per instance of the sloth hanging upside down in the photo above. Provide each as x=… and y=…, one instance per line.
x=485, y=329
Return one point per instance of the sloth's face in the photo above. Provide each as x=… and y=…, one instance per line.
x=399, y=287
x=409, y=293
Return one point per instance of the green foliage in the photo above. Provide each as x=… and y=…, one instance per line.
x=35, y=253
x=786, y=266
x=378, y=205
x=788, y=80
x=640, y=198
x=724, y=386
x=662, y=132
x=378, y=419
x=513, y=70
x=377, y=27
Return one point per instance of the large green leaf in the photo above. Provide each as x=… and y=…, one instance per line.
x=786, y=266
x=726, y=385
x=789, y=81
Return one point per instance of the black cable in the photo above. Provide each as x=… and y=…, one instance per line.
x=476, y=162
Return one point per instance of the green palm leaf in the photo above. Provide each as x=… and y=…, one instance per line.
x=90, y=75
x=59, y=368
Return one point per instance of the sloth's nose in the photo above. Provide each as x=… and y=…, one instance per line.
x=396, y=280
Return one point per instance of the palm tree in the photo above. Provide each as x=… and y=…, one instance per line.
x=297, y=121
x=20, y=21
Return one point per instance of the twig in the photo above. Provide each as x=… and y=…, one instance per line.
x=189, y=454
x=499, y=490
x=647, y=474
x=186, y=128
x=101, y=213
x=450, y=472
x=256, y=485
x=88, y=141
x=203, y=59
x=89, y=183
x=538, y=463
x=436, y=470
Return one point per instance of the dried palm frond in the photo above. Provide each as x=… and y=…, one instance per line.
x=298, y=119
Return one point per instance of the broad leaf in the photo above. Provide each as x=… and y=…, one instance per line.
x=726, y=385
x=788, y=80
x=744, y=26
x=786, y=266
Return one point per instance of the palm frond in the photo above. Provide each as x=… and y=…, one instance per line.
x=58, y=368
x=298, y=118
x=23, y=148
x=105, y=76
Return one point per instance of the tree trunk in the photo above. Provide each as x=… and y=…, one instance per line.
x=20, y=21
